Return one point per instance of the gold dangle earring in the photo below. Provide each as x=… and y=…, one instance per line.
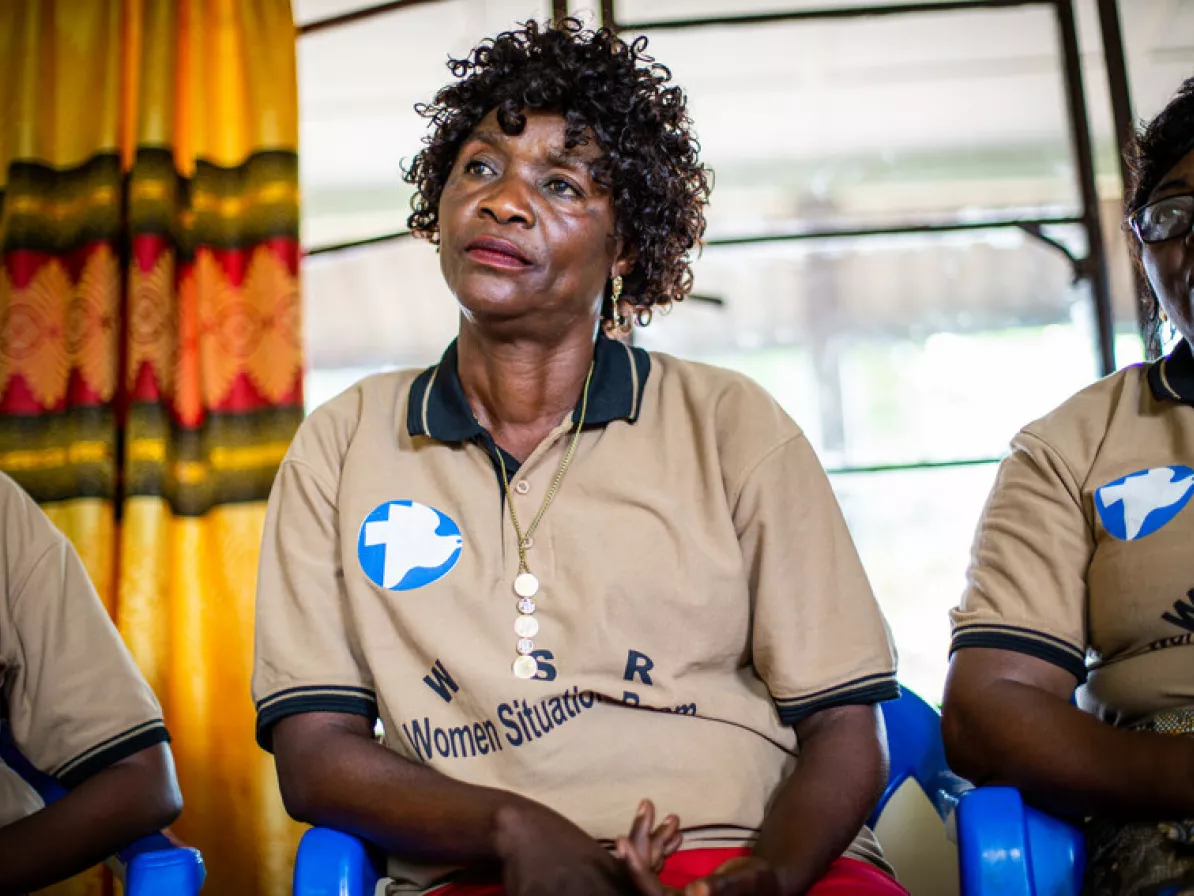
x=1166, y=330
x=615, y=298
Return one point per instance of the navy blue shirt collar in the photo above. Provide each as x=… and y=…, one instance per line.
x=1172, y=377
x=438, y=409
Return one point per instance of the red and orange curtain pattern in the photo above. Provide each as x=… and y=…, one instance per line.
x=150, y=357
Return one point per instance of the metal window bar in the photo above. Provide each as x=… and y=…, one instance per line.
x=1121, y=114
x=559, y=9
x=1117, y=79
x=356, y=15
x=914, y=465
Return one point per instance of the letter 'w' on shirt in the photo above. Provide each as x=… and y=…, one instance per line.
x=441, y=682
x=1183, y=613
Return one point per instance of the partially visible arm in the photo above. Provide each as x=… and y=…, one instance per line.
x=1007, y=719
x=332, y=772
x=132, y=798
x=816, y=813
x=76, y=704
x=824, y=803
x=823, y=649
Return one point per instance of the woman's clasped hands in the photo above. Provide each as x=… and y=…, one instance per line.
x=647, y=847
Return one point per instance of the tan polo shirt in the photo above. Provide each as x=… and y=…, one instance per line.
x=73, y=698
x=1083, y=557
x=700, y=593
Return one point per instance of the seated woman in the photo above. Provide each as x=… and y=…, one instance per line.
x=567, y=574
x=74, y=703
x=1082, y=574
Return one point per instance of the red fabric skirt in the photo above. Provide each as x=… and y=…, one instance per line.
x=845, y=877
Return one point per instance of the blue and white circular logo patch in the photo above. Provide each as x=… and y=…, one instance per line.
x=1140, y=503
x=404, y=545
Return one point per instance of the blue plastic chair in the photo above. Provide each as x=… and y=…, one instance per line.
x=1005, y=848
x=153, y=866
x=915, y=751
x=332, y=863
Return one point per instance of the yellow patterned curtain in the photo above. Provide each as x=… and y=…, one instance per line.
x=150, y=360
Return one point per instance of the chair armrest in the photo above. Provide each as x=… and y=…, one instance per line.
x=154, y=866
x=332, y=863
x=1006, y=848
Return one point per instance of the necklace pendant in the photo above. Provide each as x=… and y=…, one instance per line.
x=526, y=626
x=526, y=646
x=526, y=585
x=525, y=667
x=526, y=606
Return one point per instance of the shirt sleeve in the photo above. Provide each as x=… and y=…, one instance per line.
x=77, y=703
x=307, y=659
x=819, y=638
x=1026, y=585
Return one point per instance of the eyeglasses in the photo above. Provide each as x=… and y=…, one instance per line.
x=1164, y=219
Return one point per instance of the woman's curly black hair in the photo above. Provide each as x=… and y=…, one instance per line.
x=600, y=85
x=1157, y=147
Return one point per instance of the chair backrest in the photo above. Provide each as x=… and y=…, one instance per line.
x=46, y=786
x=916, y=751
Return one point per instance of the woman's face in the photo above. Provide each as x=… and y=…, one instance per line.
x=525, y=230
x=1170, y=264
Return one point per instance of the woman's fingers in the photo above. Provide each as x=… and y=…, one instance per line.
x=665, y=836
x=673, y=845
x=742, y=877
x=648, y=846
x=733, y=883
x=640, y=830
x=643, y=878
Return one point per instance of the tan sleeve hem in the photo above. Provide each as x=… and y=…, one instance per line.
x=293, y=701
x=999, y=635
x=94, y=760
x=864, y=690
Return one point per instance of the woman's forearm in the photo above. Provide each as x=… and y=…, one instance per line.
x=824, y=803
x=332, y=773
x=1023, y=733
x=131, y=799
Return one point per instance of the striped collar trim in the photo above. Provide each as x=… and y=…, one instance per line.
x=1172, y=377
x=437, y=407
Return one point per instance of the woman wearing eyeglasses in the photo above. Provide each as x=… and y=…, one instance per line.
x=1082, y=574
